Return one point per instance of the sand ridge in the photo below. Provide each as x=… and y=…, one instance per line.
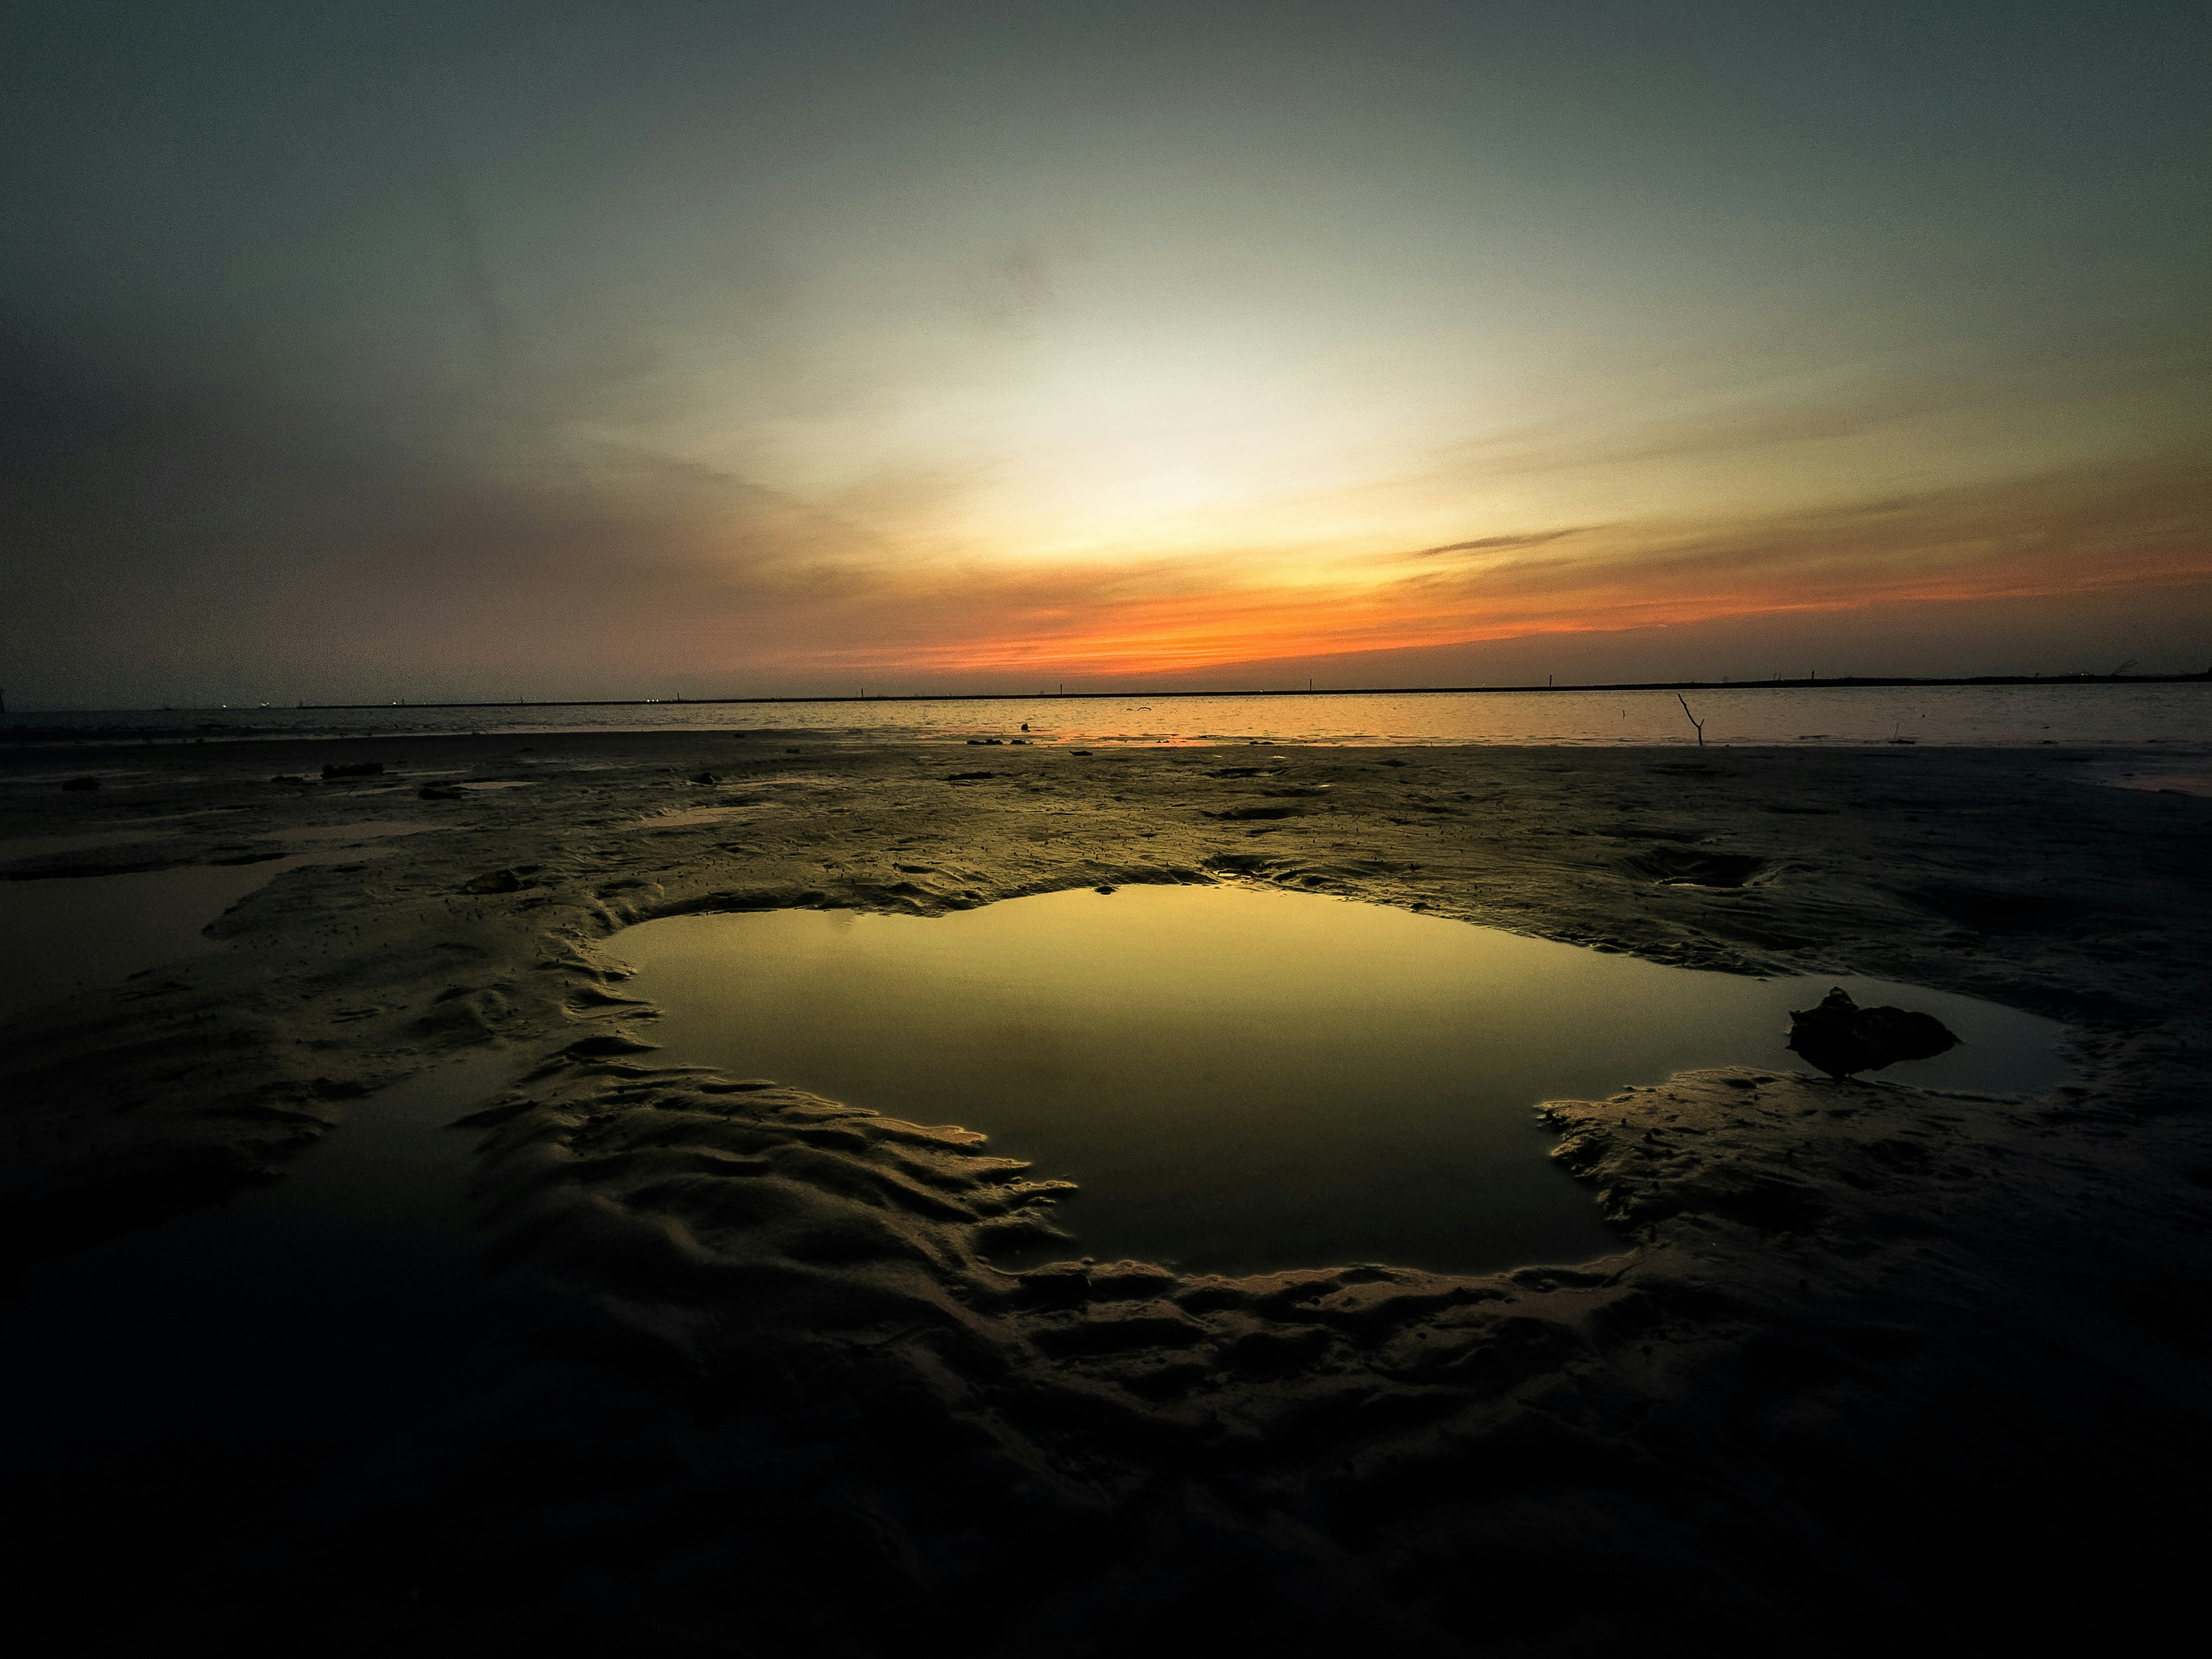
x=1861, y=1346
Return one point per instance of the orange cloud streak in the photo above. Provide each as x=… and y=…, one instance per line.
x=2038, y=538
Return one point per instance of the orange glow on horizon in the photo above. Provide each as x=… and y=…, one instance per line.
x=1101, y=628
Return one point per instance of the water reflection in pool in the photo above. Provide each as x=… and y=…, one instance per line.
x=68, y=934
x=1243, y=1079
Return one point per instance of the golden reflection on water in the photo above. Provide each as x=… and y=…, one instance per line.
x=1242, y=1079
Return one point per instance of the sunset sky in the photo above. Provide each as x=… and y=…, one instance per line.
x=562, y=350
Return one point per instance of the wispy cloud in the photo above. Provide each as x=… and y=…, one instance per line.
x=1486, y=544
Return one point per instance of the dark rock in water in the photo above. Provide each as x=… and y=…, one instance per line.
x=704, y=777
x=1840, y=1037
x=1105, y=889
x=441, y=792
x=81, y=783
x=361, y=769
x=287, y=777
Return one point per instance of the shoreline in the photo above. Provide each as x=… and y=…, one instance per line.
x=1845, y=682
x=1859, y=1343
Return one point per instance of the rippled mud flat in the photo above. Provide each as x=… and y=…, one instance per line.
x=1864, y=1356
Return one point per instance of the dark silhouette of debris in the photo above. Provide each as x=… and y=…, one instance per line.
x=1840, y=1037
x=1693, y=720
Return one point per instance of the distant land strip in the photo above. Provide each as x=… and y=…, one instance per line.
x=1328, y=691
x=21, y=732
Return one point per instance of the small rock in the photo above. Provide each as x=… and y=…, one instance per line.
x=81, y=784
x=1840, y=1037
x=705, y=777
x=494, y=881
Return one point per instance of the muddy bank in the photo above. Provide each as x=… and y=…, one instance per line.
x=1867, y=1358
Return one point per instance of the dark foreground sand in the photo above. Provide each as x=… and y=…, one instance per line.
x=1871, y=1366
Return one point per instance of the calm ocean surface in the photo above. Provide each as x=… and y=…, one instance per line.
x=1961, y=714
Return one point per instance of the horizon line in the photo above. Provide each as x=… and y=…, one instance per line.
x=1811, y=682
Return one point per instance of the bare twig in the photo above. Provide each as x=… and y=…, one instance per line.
x=1694, y=720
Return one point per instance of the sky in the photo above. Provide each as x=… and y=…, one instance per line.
x=477, y=349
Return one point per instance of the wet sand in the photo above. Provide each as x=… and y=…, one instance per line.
x=1869, y=1363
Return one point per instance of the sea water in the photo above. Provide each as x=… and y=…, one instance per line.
x=2025, y=715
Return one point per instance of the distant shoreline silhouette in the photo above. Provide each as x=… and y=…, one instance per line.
x=1811, y=683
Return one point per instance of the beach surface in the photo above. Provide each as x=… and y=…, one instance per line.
x=1868, y=1363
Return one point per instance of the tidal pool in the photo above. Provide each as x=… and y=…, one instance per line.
x=375, y=830
x=64, y=935
x=1242, y=1080
x=258, y=1364
x=27, y=847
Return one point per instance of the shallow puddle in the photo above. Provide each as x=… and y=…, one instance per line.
x=2184, y=777
x=32, y=847
x=247, y=1356
x=68, y=934
x=372, y=830
x=1243, y=1080
x=684, y=817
